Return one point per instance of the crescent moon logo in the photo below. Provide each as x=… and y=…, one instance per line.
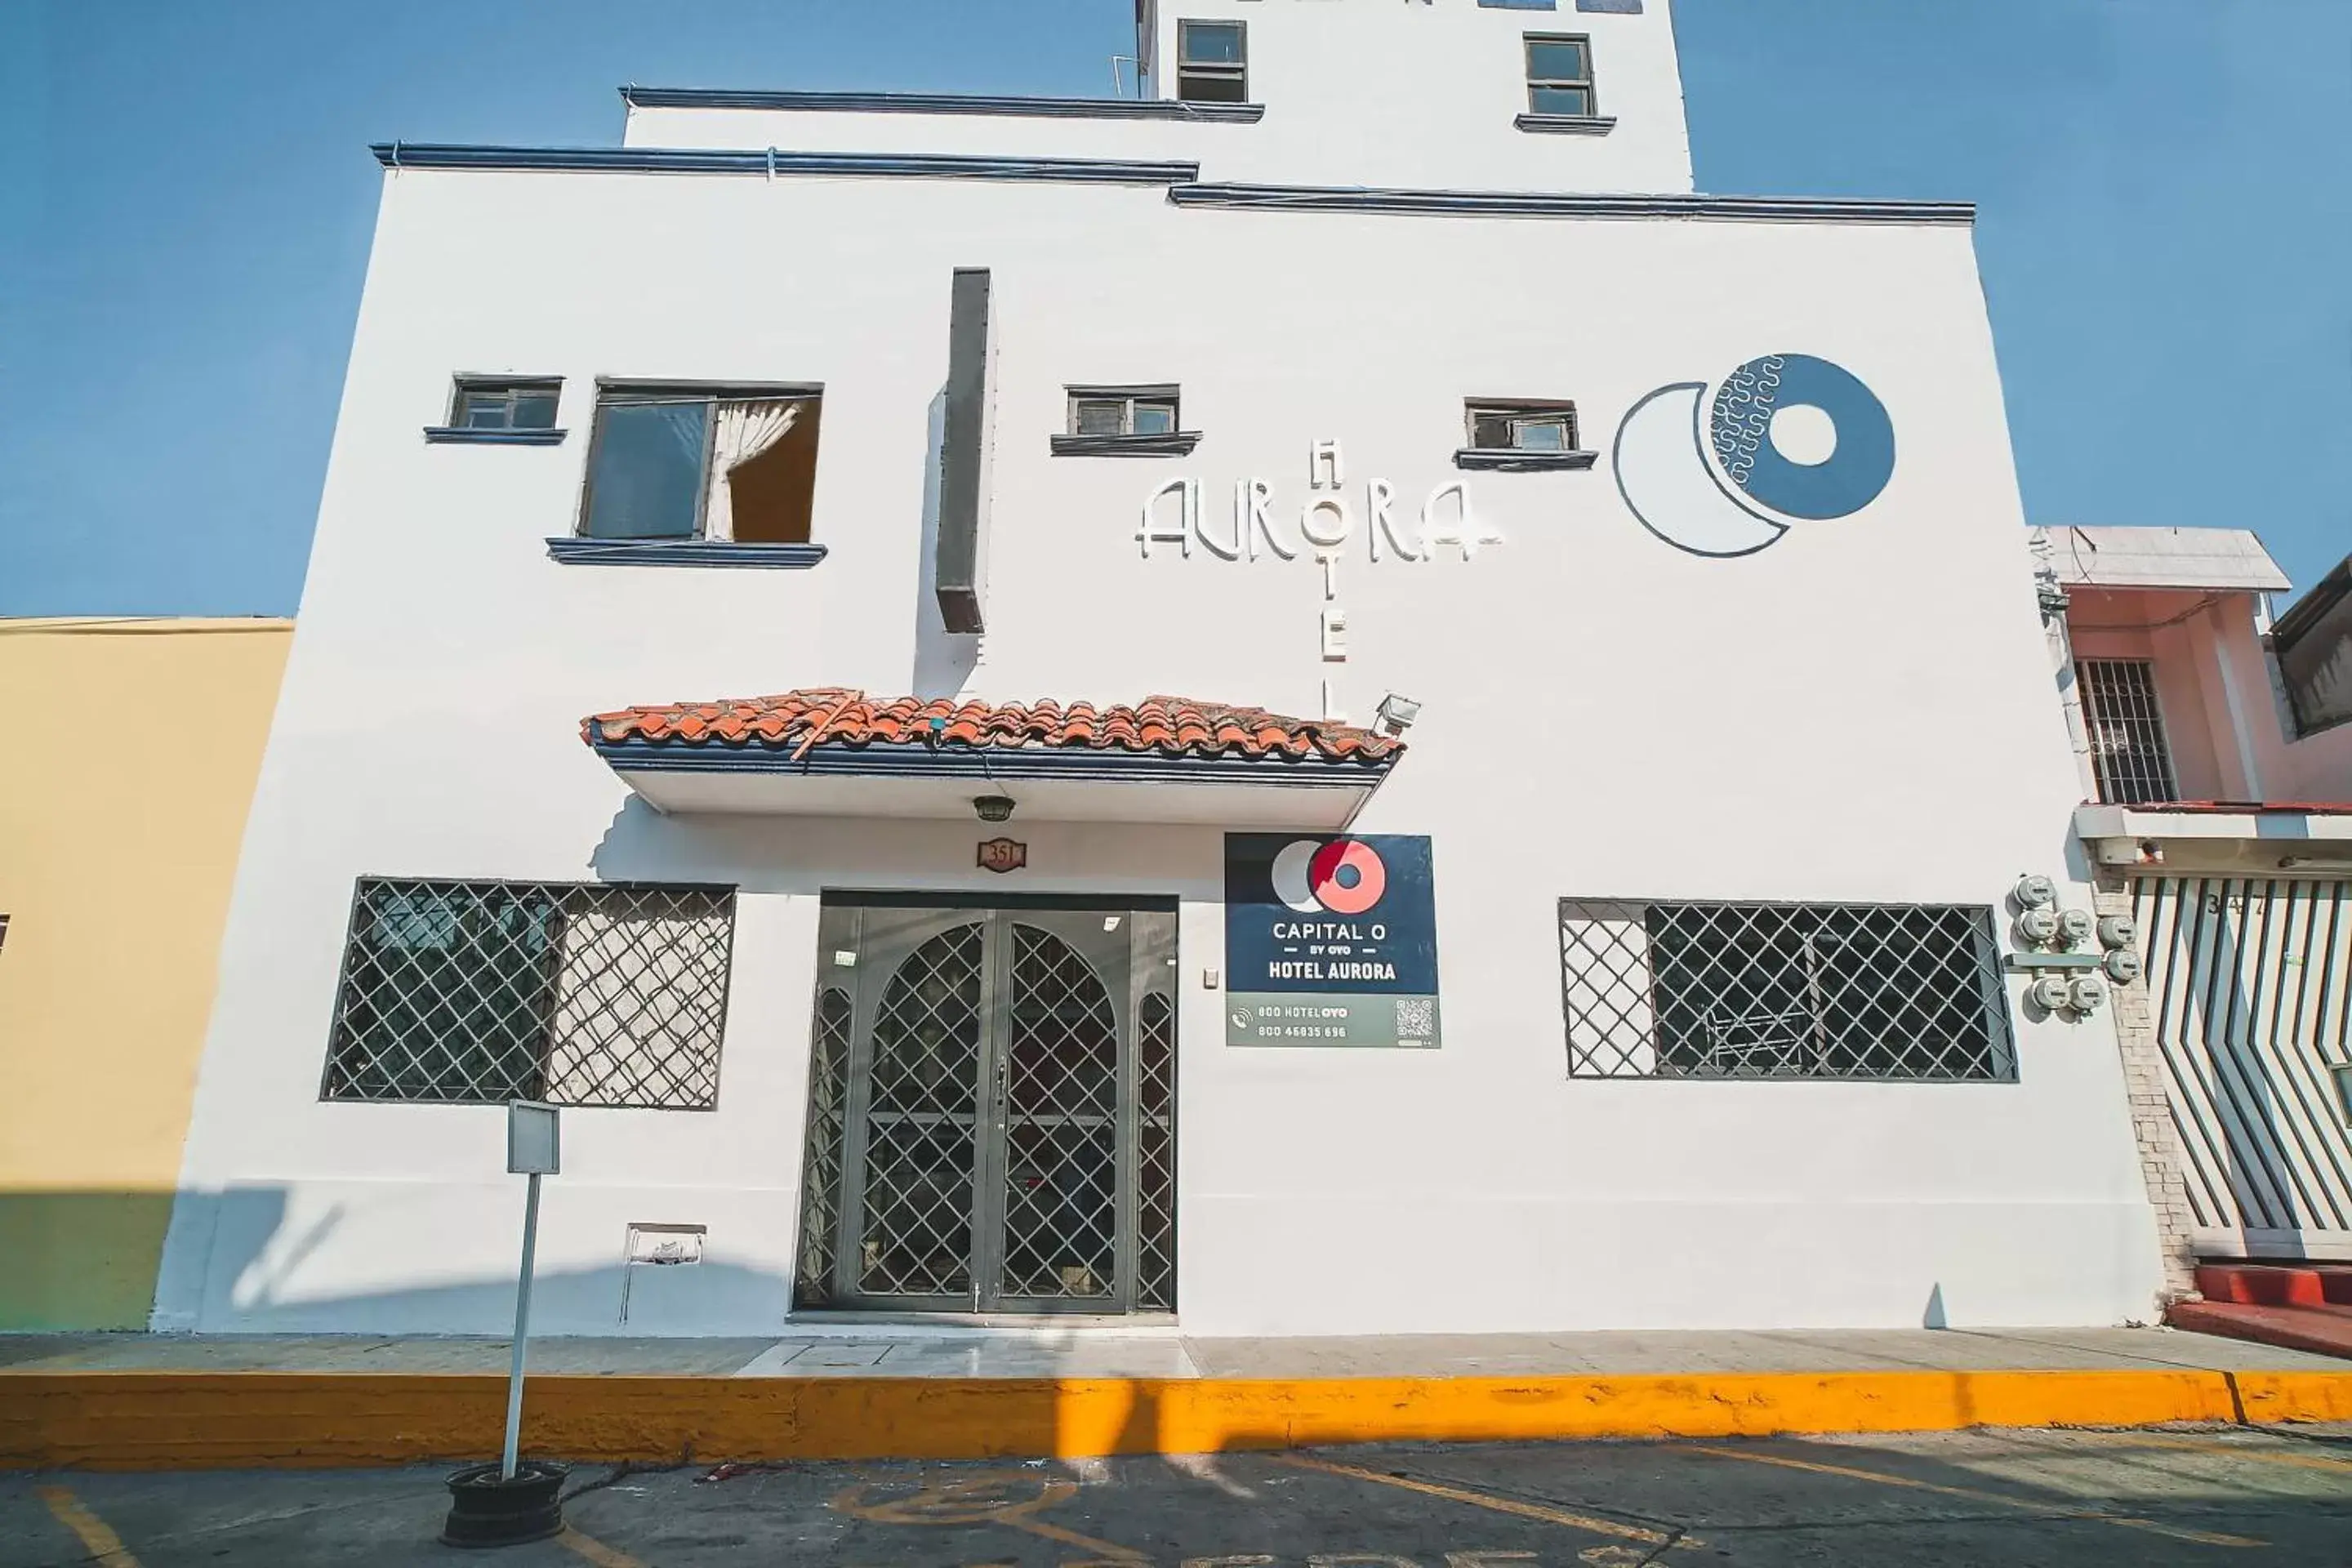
x=1785, y=438
x=1333, y=876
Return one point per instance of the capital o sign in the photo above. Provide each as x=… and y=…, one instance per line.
x=1330, y=941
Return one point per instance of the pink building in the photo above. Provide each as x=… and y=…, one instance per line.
x=2215, y=746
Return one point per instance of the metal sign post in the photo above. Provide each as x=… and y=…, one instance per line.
x=534, y=1149
x=511, y=1502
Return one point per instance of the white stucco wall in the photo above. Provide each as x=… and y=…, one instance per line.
x=1418, y=95
x=1860, y=713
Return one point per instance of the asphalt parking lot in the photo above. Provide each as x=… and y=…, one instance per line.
x=2178, y=1495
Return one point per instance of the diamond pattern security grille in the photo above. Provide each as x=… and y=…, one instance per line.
x=1156, y=1155
x=1819, y=991
x=1061, y=1210
x=2129, y=754
x=828, y=1117
x=922, y=1123
x=585, y=994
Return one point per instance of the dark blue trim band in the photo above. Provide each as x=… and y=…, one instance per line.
x=466, y=436
x=1174, y=444
x=575, y=552
x=768, y=162
x=1498, y=460
x=981, y=763
x=1537, y=204
x=1568, y=124
x=944, y=103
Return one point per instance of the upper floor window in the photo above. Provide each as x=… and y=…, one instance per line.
x=484, y=405
x=1213, y=62
x=1094, y=415
x=718, y=463
x=1537, y=425
x=2129, y=754
x=1559, y=75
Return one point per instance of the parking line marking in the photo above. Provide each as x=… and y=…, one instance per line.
x=1498, y=1504
x=2241, y=1451
x=2124, y=1521
x=101, y=1542
x=596, y=1550
x=1038, y=1526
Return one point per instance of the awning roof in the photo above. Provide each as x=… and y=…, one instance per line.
x=837, y=751
x=2229, y=559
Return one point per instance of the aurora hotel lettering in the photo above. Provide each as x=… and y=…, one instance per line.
x=1327, y=521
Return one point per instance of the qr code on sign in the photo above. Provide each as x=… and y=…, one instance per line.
x=1416, y=1018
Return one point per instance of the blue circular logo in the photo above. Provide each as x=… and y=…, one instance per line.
x=1783, y=438
x=1848, y=478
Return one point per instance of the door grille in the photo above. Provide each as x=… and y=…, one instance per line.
x=2247, y=986
x=1155, y=1285
x=1061, y=1124
x=821, y=1171
x=922, y=1123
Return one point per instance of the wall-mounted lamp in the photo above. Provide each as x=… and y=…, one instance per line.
x=993, y=807
x=1395, y=714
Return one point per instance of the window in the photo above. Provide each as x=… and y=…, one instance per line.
x=480, y=992
x=1213, y=62
x=1806, y=991
x=683, y=462
x=1525, y=427
x=1559, y=75
x=1110, y=414
x=504, y=404
x=2128, y=755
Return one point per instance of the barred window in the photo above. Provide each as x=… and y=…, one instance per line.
x=1753, y=989
x=480, y=992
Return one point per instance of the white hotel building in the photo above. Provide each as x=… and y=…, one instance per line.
x=1618, y=932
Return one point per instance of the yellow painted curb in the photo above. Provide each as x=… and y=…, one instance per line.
x=203, y=1420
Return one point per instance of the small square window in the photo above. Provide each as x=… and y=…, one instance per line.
x=1527, y=426
x=1107, y=411
x=1213, y=62
x=505, y=404
x=1559, y=75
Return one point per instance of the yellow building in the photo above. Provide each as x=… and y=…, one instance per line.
x=117, y=854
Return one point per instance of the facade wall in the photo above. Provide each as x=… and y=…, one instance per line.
x=119, y=834
x=1605, y=716
x=1425, y=96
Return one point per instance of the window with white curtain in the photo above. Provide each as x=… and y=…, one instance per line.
x=723, y=463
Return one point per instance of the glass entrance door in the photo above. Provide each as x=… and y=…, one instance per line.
x=991, y=1116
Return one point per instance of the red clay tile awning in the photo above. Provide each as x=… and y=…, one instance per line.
x=1170, y=726
x=825, y=749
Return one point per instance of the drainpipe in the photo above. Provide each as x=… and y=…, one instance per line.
x=2230, y=698
x=2061, y=645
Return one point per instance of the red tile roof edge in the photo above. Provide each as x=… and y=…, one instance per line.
x=1166, y=726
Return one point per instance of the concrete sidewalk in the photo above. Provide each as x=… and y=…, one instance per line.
x=853, y=1350
x=866, y=1390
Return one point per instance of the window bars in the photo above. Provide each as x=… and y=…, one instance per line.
x=583, y=994
x=2129, y=754
x=1868, y=992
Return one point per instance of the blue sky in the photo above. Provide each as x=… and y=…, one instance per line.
x=185, y=204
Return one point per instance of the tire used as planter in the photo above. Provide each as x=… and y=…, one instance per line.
x=485, y=1510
